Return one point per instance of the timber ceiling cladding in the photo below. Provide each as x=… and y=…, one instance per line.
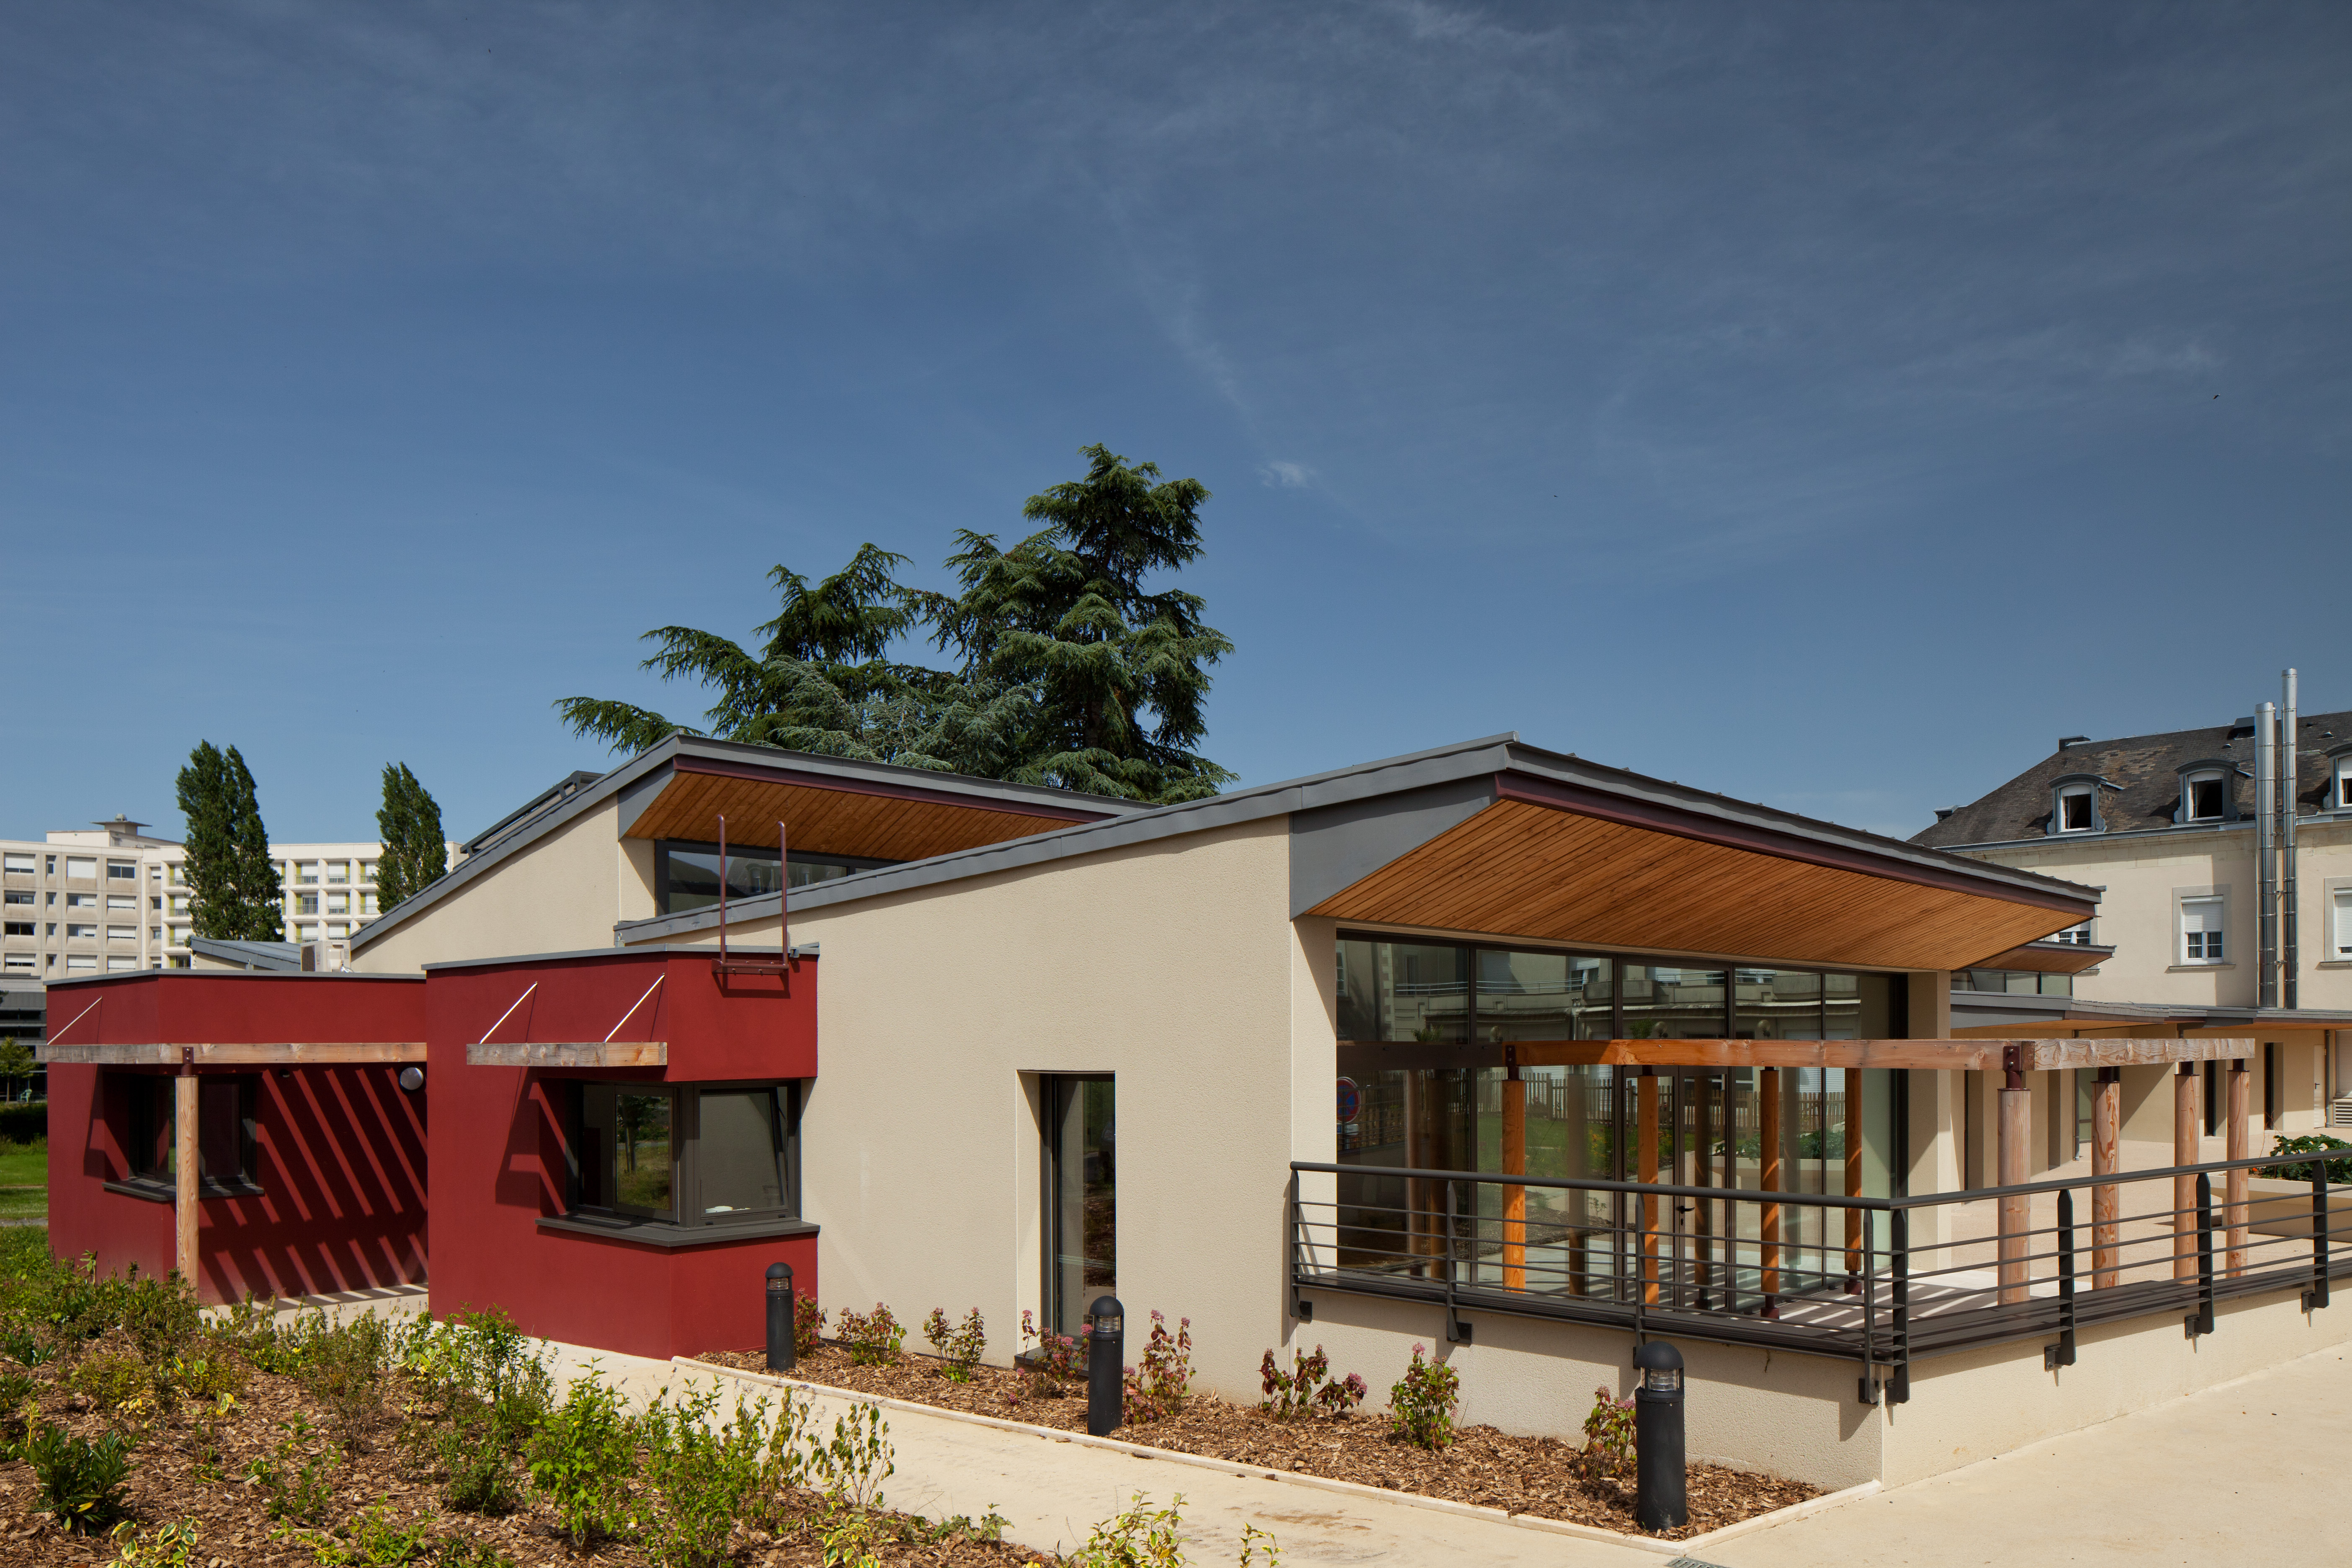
x=1518, y=868
x=834, y=818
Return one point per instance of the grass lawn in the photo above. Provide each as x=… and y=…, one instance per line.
x=25, y=1179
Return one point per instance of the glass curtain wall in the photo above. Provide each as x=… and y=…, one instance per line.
x=1081, y=1198
x=1421, y=1027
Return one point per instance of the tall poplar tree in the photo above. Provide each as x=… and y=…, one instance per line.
x=233, y=882
x=416, y=855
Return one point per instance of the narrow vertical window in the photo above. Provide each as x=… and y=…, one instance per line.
x=1081, y=1197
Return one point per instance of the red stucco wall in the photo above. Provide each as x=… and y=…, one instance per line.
x=497, y=1151
x=340, y=1151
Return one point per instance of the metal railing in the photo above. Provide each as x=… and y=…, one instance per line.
x=1883, y=1281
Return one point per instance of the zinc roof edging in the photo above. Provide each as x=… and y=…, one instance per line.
x=691, y=949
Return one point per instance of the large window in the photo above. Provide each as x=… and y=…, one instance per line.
x=1423, y=1028
x=226, y=1135
x=1081, y=1197
x=688, y=1154
x=685, y=874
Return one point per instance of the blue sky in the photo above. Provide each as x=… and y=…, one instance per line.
x=1827, y=406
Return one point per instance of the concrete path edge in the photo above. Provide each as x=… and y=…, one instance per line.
x=1315, y=1483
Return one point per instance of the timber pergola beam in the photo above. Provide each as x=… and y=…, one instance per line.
x=329, y=1053
x=570, y=1054
x=1947, y=1056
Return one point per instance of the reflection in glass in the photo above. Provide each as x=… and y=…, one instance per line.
x=1543, y=996
x=627, y=1138
x=1402, y=990
x=741, y=1150
x=1776, y=1004
x=693, y=873
x=1859, y=1008
x=1666, y=1002
x=1083, y=1178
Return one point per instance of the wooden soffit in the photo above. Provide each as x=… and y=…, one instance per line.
x=333, y=1053
x=2048, y=958
x=1939, y=1055
x=829, y=816
x=1524, y=868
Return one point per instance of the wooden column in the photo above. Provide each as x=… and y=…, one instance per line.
x=2106, y=1198
x=1854, y=1217
x=2234, y=1189
x=1514, y=1163
x=184, y=1156
x=2185, y=1137
x=1646, y=1151
x=1767, y=1225
x=1702, y=1175
x=2014, y=1133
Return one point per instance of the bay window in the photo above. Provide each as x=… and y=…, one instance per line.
x=684, y=1155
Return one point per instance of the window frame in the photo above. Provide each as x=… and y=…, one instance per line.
x=686, y=1158
x=849, y=864
x=147, y=1102
x=2221, y=772
x=2182, y=898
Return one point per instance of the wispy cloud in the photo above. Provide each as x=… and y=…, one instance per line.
x=1287, y=476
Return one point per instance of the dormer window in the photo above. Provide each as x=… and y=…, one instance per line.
x=2205, y=798
x=2208, y=791
x=2339, y=780
x=2075, y=804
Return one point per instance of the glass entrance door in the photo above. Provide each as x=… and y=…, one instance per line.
x=1081, y=1197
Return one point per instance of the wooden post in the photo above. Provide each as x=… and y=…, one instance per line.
x=2015, y=1133
x=1768, y=1226
x=2185, y=1135
x=2234, y=1187
x=1702, y=1175
x=2106, y=1198
x=1854, y=1217
x=1514, y=1163
x=184, y=1156
x=1646, y=1151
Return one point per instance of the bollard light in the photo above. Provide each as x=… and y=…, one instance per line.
x=780, y=1317
x=1660, y=1501
x=1105, y=1357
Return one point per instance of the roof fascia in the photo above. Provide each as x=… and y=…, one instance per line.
x=691, y=949
x=1340, y=787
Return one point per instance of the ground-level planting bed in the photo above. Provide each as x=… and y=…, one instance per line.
x=1543, y=1477
x=279, y=1444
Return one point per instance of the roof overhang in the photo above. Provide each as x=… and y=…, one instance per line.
x=1970, y=1055
x=1560, y=860
x=837, y=813
x=2047, y=958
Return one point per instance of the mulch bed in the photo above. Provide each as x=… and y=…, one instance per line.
x=166, y=1486
x=1539, y=1475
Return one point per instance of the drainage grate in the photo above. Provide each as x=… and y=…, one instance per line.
x=1692, y=1562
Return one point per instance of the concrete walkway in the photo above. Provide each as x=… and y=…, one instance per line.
x=2248, y=1472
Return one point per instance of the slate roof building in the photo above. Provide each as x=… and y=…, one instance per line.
x=2167, y=827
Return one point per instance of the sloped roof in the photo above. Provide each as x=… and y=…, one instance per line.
x=2145, y=771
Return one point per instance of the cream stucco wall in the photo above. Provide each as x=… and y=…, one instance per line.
x=559, y=894
x=1173, y=966
x=2141, y=875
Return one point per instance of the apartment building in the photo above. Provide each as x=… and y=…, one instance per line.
x=111, y=897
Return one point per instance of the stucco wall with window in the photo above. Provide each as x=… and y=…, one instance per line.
x=559, y=894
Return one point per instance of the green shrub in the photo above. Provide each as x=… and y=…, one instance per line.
x=343, y=1366
x=1307, y=1387
x=1049, y=1369
x=166, y=1546
x=481, y=1393
x=1156, y=1386
x=873, y=1338
x=2339, y=1172
x=1609, y=1436
x=373, y=1541
x=959, y=1348
x=808, y=1325
x=709, y=1474
x=581, y=1457
x=77, y=1482
x=456, y=1551
x=1139, y=1538
x=114, y=1384
x=1421, y=1405
x=23, y=1121
x=24, y=1347
x=297, y=1480
x=849, y=1468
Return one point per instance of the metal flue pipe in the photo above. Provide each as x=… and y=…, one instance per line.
x=2289, y=961
x=2266, y=856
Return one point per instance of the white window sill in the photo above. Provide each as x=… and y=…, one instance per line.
x=2334, y=963
x=2193, y=968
